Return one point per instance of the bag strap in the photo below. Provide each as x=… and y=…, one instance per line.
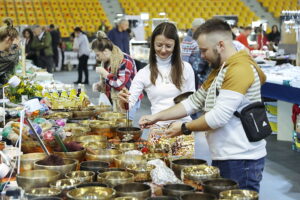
x=237, y=114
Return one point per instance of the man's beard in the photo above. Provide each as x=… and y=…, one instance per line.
x=217, y=61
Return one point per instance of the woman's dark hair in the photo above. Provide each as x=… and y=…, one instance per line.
x=168, y=30
x=276, y=29
x=77, y=29
x=8, y=30
x=102, y=42
x=29, y=31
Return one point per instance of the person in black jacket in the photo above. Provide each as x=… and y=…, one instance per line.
x=274, y=36
x=28, y=37
x=55, y=35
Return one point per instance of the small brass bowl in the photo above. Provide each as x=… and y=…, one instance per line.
x=27, y=160
x=141, y=171
x=83, y=114
x=83, y=176
x=200, y=196
x=105, y=155
x=239, y=195
x=88, y=138
x=122, y=161
x=153, y=156
x=43, y=192
x=115, y=178
x=138, y=190
x=70, y=165
x=36, y=178
x=66, y=184
x=86, y=193
x=80, y=131
x=60, y=115
x=177, y=189
x=111, y=169
x=95, y=145
x=77, y=155
x=178, y=165
x=129, y=133
x=215, y=186
x=126, y=146
x=92, y=184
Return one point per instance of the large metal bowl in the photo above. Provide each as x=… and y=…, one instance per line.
x=141, y=171
x=239, y=195
x=122, y=161
x=70, y=165
x=93, y=165
x=129, y=133
x=83, y=176
x=36, y=178
x=114, y=178
x=78, y=155
x=198, y=196
x=195, y=175
x=88, y=138
x=87, y=193
x=93, y=184
x=65, y=184
x=27, y=160
x=180, y=164
x=105, y=155
x=43, y=192
x=104, y=128
x=215, y=186
x=138, y=190
x=177, y=189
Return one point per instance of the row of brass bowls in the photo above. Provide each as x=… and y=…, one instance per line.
x=43, y=192
x=82, y=176
x=37, y=178
x=114, y=178
x=85, y=193
x=177, y=189
x=178, y=165
x=70, y=165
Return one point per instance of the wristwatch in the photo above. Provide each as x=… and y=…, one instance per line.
x=184, y=129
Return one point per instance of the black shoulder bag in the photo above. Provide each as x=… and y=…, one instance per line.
x=255, y=122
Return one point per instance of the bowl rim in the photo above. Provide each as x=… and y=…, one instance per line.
x=57, y=173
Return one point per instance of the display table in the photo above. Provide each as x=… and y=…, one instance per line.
x=286, y=96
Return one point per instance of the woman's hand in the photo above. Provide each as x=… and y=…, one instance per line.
x=102, y=71
x=123, y=98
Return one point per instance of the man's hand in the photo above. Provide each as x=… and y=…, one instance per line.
x=147, y=120
x=174, y=129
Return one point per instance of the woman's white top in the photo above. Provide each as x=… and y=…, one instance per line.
x=161, y=94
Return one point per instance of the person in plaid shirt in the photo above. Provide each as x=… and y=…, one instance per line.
x=117, y=69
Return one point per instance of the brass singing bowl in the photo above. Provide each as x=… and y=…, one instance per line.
x=105, y=155
x=80, y=131
x=198, y=196
x=36, y=178
x=86, y=193
x=123, y=122
x=162, y=198
x=93, y=165
x=112, y=115
x=83, y=176
x=139, y=190
x=111, y=169
x=215, y=186
x=87, y=139
x=126, y=146
x=178, y=165
x=153, y=156
x=177, y=189
x=27, y=160
x=141, y=171
x=66, y=184
x=133, y=132
x=59, y=115
x=77, y=155
x=83, y=114
x=239, y=195
x=70, y=126
x=200, y=173
x=43, y=192
x=114, y=178
x=70, y=165
x=102, y=108
x=122, y=161
x=126, y=198
x=95, y=145
x=92, y=184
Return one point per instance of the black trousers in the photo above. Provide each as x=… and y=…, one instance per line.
x=45, y=62
x=55, y=55
x=83, y=66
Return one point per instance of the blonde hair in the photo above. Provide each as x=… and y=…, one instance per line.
x=8, y=30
